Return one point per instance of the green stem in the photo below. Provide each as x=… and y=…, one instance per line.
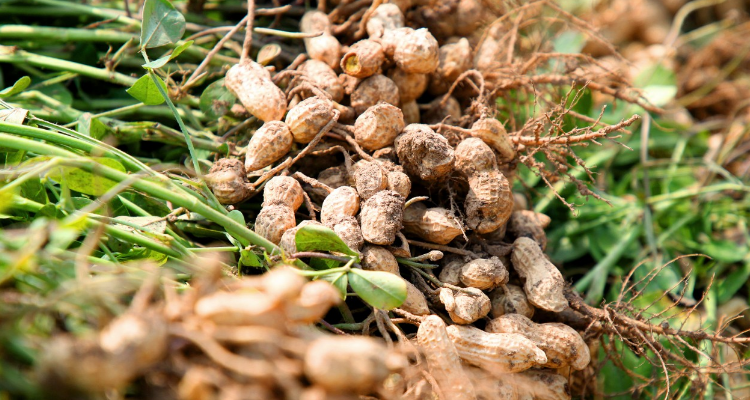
x=213, y=249
x=345, y=268
x=17, y=56
x=103, y=13
x=48, y=34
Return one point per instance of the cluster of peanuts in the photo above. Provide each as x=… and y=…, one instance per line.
x=417, y=173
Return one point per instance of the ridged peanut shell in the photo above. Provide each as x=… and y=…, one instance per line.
x=415, y=301
x=325, y=47
x=484, y=274
x=269, y=143
x=369, y=178
x=538, y=385
x=227, y=180
x=273, y=221
x=283, y=190
x=314, y=301
x=435, y=225
x=392, y=38
x=544, y=284
x=443, y=360
x=562, y=345
x=454, y=60
x=386, y=17
x=510, y=299
x=343, y=201
x=424, y=154
x=411, y=112
x=346, y=364
x=347, y=228
x=410, y=85
x=308, y=118
x=378, y=126
x=323, y=77
x=439, y=111
x=465, y=308
x=489, y=52
x=473, y=155
x=489, y=202
x=399, y=182
x=525, y=223
x=418, y=53
x=498, y=353
x=363, y=59
x=252, y=85
x=492, y=132
x=373, y=90
x=381, y=217
x=240, y=308
x=451, y=272
x=376, y=258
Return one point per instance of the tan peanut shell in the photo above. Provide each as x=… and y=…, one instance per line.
x=492, y=132
x=228, y=182
x=288, y=240
x=378, y=126
x=269, y=143
x=344, y=364
x=308, y=118
x=386, y=17
x=252, y=85
x=415, y=301
x=484, y=274
x=473, y=155
x=240, y=308
x=436, y=225
x=392, y=38
x=544, y=284
x=343, y=201
x=283, y=190
x=469, y=16
x=424, y=154
x=443, y=360
x=370, y=178
x=489, y=202
x=376, y=258
x=273, y=221
x=410, y=85
x=454, y=60
x=521, y=203
x=498, y=353
x=465, y=308
x=282, y=283
x=373, y=90
x=399, y=182
x=561, y=343
x=489, y=52
x=347, y=228
x=451, y=272
x=381, y=217
x=411, y=112
x=510, y=299
x=526, y=224
x=538, y=385
x=325, y=47
x=314, y=301
x=324, y=77
x=417, y=53
x=363, y=59
x=438, y=112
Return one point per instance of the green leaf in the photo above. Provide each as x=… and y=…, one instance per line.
x=323, y=263
x=86, y=182
x=339, y=281
x=379, y=289
x=216, y=99
x=163, y=60
x=91, y=127
x=237, y=216
x=659, y=84
x=17, y=87
x=725, y=251
x=249, y=259
x=735, y=281
x=162, y=24
x=320, y=238
x=145, y=91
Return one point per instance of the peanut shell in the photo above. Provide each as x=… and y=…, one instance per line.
x=489, y=202
x=324, y=77
x=437, y=112
x=269, y=143
x=410, y=85
x=381, y=217
x=228, y=182
x=443, y=360
x=363, y=59
x=498, y=353
x=273, y=221
x=436, y=225
x=283, y=190
x=526, y=224
x=346, y=363
x=492, y=132
x=399, y=182
x=415, y=301
x=544, y=284
x=372, y=91
x=325, y=47
x=465, y=308
x=308, y=118
x=473, y=155
x=252, y=85
x=386, y=17
x=418, y=53
x=510, y=299
x=411, y=112
x=347, y=228
x=484, y=274
x=378, y=126
x=454, y=60
x=343, y=201
x=424, y=154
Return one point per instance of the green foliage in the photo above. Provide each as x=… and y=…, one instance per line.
x=380, y=289
x=146, y=91
x=320, y=238
x=162, y=24
x=216, y=99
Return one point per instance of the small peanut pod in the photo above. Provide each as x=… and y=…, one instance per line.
x=373, y=90
x=472, y=156
x=544, y=283
x=451, y=272
x=438, y=111
x=415, y=301
x=347, y=228
x=490, y=50
x=392, y=38
x=484, y=274
x=400, y=183
x=240, y=308
x=370, y=178
x=455, y=59
x=465, y=308
x=283, y=190
x=324, y=47
x=525, y=223
x=343, y=201
x=489, y=202
x=308, y=118
x=443, y=361
x=269, y=143
x=252, y=85
x=424, y=154
x=378, y=126
x=470, y=13
x=538, y=385
x=561, y=343
x=273, y=221
x=436, y=225
x=382, y=216
x=288, y=240
x=510, y=299
x=498, y=353
x=410, y=86
x=347, y=364
x=376, y=258
x=314, y=301
x=227, y=180
x=386, y=17
x=323, y=77
x=418, y=53
x=492, y=132
x=363, y=59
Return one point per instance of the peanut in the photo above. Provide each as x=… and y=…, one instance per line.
x=526, y=224
x=334, y=177
x=484, y=274
x=411, y=112
x=376, y=258
x=249, y=308
x=252, y=85
x=424, y=154
x=544, y=284
x=410, y=85
x=308, y=118
x=418, y=53
x=454, y=60
x=349, y=231
x=273, y=221
x=562, y=345
x=443, y=360
x=415, y=301
x=382, y=216
x=465, y=308
x=228, y=181
x=492, y=132
x=269, y=143
x=498, y=353
x=346, y=363
x=323, y=77
x=489, y=202
x=400, y=183
x=314, y=301
x=343, y=201
x=363, y=59
x=539, y=385
x=385, y=18
x=369, y=178
x=472, y=156
x=372, y=91
x=436, y=225
x=283, y=190
x=378, y=126
x=451, y=272
x=437, y=112
x=324, y=47
x=510, y=299
x=490, y=50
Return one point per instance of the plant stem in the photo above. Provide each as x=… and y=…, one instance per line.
x=48, y=34
x=103, y=13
